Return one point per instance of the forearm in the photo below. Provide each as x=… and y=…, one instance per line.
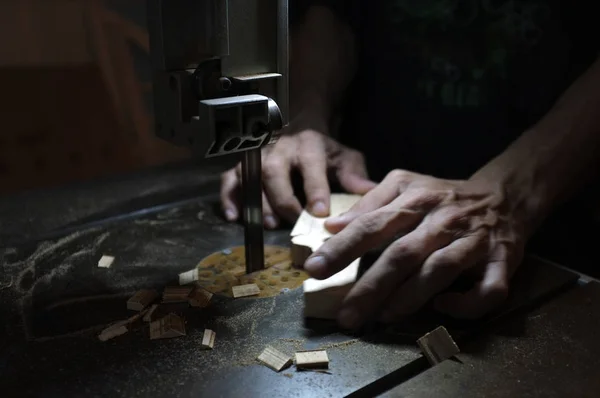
x=323, y=62
x=555, y=157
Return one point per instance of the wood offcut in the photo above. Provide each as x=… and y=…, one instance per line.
x=149, y=316
x=275, y=359
x=106, y=261
x=248, y=290
x=438, y=345
x=177, y=294
x=315, y=359
x=208, y=339
x=141, y=299
x=200, y=298
x=167, y=327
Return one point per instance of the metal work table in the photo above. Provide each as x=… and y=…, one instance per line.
x=54, y=301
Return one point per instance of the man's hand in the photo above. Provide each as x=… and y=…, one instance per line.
x=445, y=227
x=315, y=156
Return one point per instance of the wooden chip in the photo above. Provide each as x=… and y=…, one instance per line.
x=200, y=298
x=105, y=261
x=438, y=345
x=245, y=290
x=312, y=359
x=275, y=359
x=141, y=300
x=148, y=317
x=185, y=278
x=113, y=331
x=167, y=327
x=177, y=294
x=208, y=340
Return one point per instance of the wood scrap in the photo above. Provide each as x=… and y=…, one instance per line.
x=250, y=289
x=275, y=359
x=148, y=317
x=200, y=298
x=208, y=339
x=113, y=331
x=438, y=345
x=141, y=299
x=314, y=359
x=177, y=294
x=169, y=326
x=106, y=261
x=185, y=278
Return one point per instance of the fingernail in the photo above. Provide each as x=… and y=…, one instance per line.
x=314, y=264
x=230, y=215
x=270, y=222
x=348, y=318
x=319, y=208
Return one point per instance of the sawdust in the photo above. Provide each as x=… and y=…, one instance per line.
x=288, y=375
x=341, y=345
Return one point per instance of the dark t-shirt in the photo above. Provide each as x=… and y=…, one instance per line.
x=445, y=85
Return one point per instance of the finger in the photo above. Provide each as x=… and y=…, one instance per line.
x=438, y=272
x=277, y=185
x=230, y=195
x=352, y=175
x=361, y=235
x=400, y=260
x=313, y=167
x=270, y=219
x=486, y=295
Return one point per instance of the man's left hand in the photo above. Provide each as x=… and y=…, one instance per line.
x=441, y=228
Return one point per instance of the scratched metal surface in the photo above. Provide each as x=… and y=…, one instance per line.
x=550, y=352
x=59, y=300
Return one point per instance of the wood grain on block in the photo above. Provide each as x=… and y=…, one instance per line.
x=208, y=339
x=438, y=345
x=250, y=289
x=275, y=359
x=106, y=261
x=200, y=298
x=167, y=327
x=309, y=232
x=185, y=278
x=177, y=294
x=323, y=298
x=141, y=299
x=312, y=359
x=113, y=331
x=149, y=315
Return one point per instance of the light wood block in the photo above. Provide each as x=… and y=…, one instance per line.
x=316, y=359
x=250, y=289
x=200, y=298
x=322, y=298
x=113, y=331
x=275, y=359
x=167, y=327
x=141, y=299
x=185, y=278
x=105, y=261
x=438, y=345
x=208, y=339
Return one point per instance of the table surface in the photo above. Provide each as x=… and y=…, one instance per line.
x=59, y=301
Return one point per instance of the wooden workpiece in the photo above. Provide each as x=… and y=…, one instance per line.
x=106, y=261
x=250, y=289
x=141, y=299
x=316, y=359
x=113, y=331
x=149, y=315
x=208, y=339
x=167, y=327
x=322, y=298
x=177, y=294
x=200, y=298
x=185, y=278
x=438, y=345
x=275, y=359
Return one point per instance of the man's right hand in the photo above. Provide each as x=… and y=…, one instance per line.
x=315, y=156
